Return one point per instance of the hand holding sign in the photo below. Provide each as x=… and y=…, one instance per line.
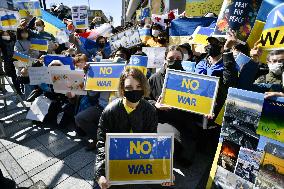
x=103, y=182
x=160, y=106
x=231, y=39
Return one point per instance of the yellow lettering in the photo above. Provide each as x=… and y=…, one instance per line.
x=190, y=84
x=140, y=147
x=106, y=70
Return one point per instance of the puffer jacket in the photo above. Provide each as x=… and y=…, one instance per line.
x=115, y=119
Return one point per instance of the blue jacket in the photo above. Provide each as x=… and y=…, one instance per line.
x=203, y=67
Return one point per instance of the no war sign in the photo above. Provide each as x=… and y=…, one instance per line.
x=272, y=37
x=136, y=158
x=103, y=77
x=189, y=91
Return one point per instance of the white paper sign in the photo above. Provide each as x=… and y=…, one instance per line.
x=39, y=109
x=80, y=17
x=156, y=56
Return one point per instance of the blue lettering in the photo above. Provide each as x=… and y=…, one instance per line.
x=104, y=83
x=187, y=100
x=138, y=169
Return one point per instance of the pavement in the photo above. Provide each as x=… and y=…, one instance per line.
x=32, y=152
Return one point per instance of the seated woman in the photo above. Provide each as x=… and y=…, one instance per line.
x=130, y=113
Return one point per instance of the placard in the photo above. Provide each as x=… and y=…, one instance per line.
x=9, y=20
x=156, y=56
x=39, y=109
x=68, y=81
x=80, y=17
x=28, y=7
x=242, y=60
x=201, y=7
x=64, y=59
x=127, y=39
x=188, y=66
x=190, y=92
x=238, y=15
x=39, y=44
x=139, y=62
x=142, y=158
x=104, y=76
x=272, y=37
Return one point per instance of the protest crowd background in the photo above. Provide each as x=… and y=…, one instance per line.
x=213, y=78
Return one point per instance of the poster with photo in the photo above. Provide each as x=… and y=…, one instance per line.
x=127, y=39
x=80, y=16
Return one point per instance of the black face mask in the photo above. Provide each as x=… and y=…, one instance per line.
x=101, y=45
x=162, y=40
x=213, y=50
x=134, y=96
x=176, y=65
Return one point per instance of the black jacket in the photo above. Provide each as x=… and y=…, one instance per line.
x=115, y=119
x=7, y=49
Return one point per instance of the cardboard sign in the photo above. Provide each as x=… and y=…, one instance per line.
x=272, y=37
x=271, y=123
x=80, y=17
x=238, y=15
x=139, y=158
x=191, y=92
x=68, y=81
x=28, y=7
x=156, y=56
x=139, y=62
x=201, y=7
x=9, y=20
x=127, y=39
x=104, y=76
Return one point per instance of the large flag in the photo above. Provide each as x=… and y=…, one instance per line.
x=39, y=44
x=202, y=33
x=9, y=20
x=52, y=24
x=182, y=28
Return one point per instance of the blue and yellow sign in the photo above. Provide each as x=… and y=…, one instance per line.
x=139, y=158
x=191, y=92
x=139, y=62
x=104, y=77
x=272, y=37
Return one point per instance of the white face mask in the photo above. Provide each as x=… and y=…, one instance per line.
x=185, y=57
x=276, y=68
x=6, y=37
x=39, y=28
x=155, y=33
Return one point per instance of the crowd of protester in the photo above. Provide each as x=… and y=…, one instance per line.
x=136, y=107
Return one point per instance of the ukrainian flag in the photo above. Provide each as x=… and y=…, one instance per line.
x=193, y=92
x=182, y=29
x=104, y=77
x=80, y=24
x=21, y=57
x=139, y=62
x=140, y=159
x=201, y=35
x=8, y=20
x=33, y=7
x=52, y=23
x=145, y=34
x=39, y=44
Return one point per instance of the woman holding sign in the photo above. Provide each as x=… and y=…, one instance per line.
x=130, y=113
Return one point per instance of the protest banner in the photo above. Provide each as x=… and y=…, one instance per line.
x=134, y=158
x=238, y=15
x=68, y=81
x=139, y=62
x=9, y=20
x=127, y=39
x=39, y=44
x=64, y=59
x=190, y=92
x=28, y=7
x=104, y=76
x=272, y=37
x=201, y=7
x=271, y=123
x=80, y=17
x=156, y=56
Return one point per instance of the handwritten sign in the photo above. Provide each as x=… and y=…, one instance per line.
x=156, y=56
x=80, y=16
x=139, y=158
x=201, y=7
x=238, y=15
x=104, y=77
x=68, y=81
x=271, y=122
x=272, y=37
x=191, y=92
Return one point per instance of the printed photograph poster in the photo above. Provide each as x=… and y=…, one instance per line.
x=190, y=92
x=104, y=76
x=139, y=158
x=271, y=122
x=201, y=7
x=272, y=37
x=80, y=16
x=238, y=15
x=68, y=81
x=127, y=39
x=271, y=173
x=156, y=56
x=241, y=118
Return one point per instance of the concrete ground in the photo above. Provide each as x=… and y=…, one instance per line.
x=32, y=152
